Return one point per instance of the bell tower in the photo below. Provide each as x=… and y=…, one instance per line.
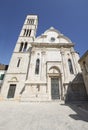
x=21, y=54
x=18, y=66
x=27, y=33
x=29, y=27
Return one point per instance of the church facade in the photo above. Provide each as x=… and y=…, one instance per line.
x=41, y=68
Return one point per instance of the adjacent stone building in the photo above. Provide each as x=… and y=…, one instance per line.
x=41, y=68
x=84, y=66
x=3, y=69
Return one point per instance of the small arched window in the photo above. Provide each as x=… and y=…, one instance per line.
x=37, y=66
x=70, y=66
x=21, y=47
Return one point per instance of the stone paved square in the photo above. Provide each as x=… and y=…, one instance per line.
x=41, y=116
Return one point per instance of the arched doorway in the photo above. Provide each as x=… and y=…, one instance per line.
x=55, y=83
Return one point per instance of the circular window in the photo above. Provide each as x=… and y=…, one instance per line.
x=52, y=39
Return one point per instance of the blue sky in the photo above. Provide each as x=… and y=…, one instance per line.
x=70, y=17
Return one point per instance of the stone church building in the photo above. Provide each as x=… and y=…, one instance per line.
x=41, y=68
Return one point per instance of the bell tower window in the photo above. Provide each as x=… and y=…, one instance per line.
x=24, y=32
x=25, y=47
x=21, y=47
x=27, y=32
x=30, y=21
x=18, y=62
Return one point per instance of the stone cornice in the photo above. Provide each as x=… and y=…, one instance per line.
x=53, y=62
x=15, y=73
x=43, y=36
x=54, y=45
x=27, y=52
x=33, y=83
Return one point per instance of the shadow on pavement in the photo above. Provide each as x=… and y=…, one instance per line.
x=81, y=114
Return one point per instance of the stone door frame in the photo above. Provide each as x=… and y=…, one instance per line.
x=53, y=88
x=54, y=75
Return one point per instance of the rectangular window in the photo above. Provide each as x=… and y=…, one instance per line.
x=11, y=91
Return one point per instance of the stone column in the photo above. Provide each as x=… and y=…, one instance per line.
x=43, y=67
x=29, y=62
x=64, y=75
x=31, y=67
x=49, y=87
x=75, y=67
x=61, y=87
x=63, y=64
